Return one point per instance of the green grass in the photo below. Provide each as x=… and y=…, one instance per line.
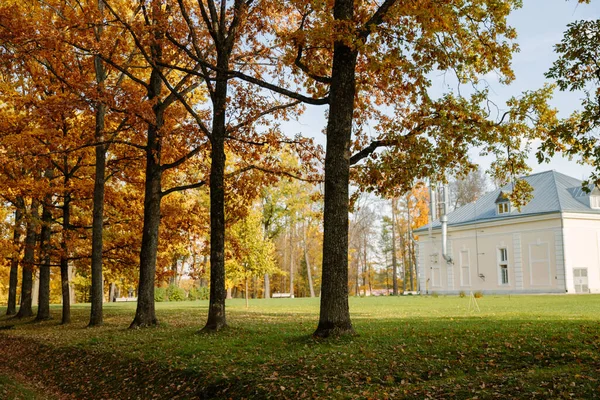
x=405, y=347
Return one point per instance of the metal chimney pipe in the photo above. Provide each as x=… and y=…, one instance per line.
x=444, y=221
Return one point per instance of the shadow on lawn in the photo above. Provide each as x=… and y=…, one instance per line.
x=90, y=374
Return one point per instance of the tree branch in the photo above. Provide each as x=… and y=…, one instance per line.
x=370, y=149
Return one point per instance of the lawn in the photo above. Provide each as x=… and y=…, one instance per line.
x=405, y=347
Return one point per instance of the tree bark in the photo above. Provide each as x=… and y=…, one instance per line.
x=111, y=292
x=291, y=262
x=394, y=259
x=145, y=314
x=335, y=313
x=43, y=312
x=366, y=264
x=246, y=292
x=216, y=310
x=11, y=309
x=307, y=262
x=409, y=234
x=267, y=293
x=64, y=260
x=25, y=309
x=97, y=292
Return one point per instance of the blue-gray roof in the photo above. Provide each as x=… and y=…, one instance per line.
x=552, y=192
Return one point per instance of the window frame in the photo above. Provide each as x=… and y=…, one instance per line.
x=503, y=277
x=503, y=208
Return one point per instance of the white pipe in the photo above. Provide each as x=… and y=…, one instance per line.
x=444, y=221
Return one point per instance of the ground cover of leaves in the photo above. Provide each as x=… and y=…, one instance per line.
x=405, y=347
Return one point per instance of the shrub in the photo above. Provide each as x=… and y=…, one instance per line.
x=175, y=293
x=201, y=293
x=461, y=293
x=160, y=294
x=434, y=294
x=478, y=294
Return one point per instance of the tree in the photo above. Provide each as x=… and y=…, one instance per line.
x=97, y=297
x=386, y=52
x=468, y=188
x=25, y=309
x=578, y=69
x=250, y=254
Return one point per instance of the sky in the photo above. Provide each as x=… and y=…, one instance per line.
x=540, y=24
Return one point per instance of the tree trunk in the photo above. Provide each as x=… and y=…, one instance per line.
x=43, y=312
x=64, y=261
x=357, y=290
x=25, y=309
x=291, y=262
x=366, y=264
x=216, y=310
x=246, y=292
x=335, y=313
x=14, y=262
x=409, y=234
x=97, y=292
x=112, y=293
x=394, y=259
x=267, y=293
x=307, y=262
x=36, y=287
x=145, y=314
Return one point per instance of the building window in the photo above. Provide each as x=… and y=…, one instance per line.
x=465, y=270
x=595, y=202
x=503, y=265
x=503, y=208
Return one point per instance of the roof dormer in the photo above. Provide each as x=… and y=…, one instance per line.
x=595, y=198
x=590, y=196
x=502, y=204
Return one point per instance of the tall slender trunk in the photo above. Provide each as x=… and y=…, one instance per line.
x=43, y=312
x=394, y=258
x=335, y=313
x=357, y=290
x=307, y=262
x=403, y=247
x=291, y=262
x=246, y=292
x=267, y=293
x=112, y=292
x=11, y=309
x=145, y=313
x=409, y=234
x=64, y=260
x=366, y=264
x=25, y=309
x=216, y=310
x=283, y=280
x=97, y=291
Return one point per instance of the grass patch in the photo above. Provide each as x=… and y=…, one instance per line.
x=410, y=346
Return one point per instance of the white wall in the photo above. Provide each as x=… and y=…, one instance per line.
x=582, y=248
x=535, y=258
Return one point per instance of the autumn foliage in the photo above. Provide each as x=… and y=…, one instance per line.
x=144, y=135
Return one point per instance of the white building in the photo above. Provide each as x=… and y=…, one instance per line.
x=552, y=245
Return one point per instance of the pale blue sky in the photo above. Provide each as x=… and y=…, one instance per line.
x=540, y=25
